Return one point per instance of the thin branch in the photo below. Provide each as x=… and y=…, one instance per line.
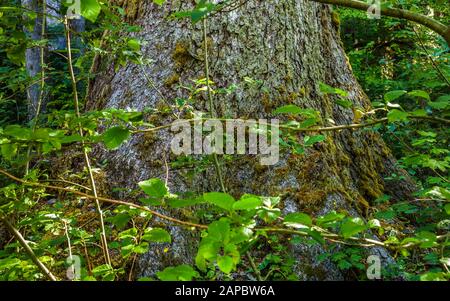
x=435, y=66
x=85, y=153
x=311, y=129
x=254, y=267
x=28, y=249
x=211, y=103
x=105, y=200
x=436, y=26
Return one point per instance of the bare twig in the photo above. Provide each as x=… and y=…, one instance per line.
x=85, y=152
x=28, y=249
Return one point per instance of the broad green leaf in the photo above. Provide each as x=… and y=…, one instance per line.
x=420, y=93
x=316, y=235
x=105, y=271
x=220, y=199
x=90, y=9
x=115, y=136
x=447, y=208
x=247, y=202
x=154, y=188
x=219, y=230
x=439, y=105
x=298, y=220
x=330, y=218
x=352, y=227
x=134, y=44
x=311, y=140
x=159, y=2
x=428, y=239
x=141, y=248
x=393, y=95
x=130, y=233
x=179, y=273
x=433, y=276
x=225, y=264
x=18, y=132
x=156, y=235
x=9, y=150
x=288, y=109
x=8, y=263
x=345, y=103
x=397, y=115
x=324, y=88
x=120, y=220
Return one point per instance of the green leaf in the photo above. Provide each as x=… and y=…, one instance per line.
x=18, y=132
x=220, y=199
x=428, y=239
x=439, y=105
x=420, y=93
x=247, y=202
x=179, y=273
x=90, y=9
x=105, y=271
x=324, y=88
x=120, y=220
x=397, y=115
x=298, y=220
x=134, y=44
x=115, y=136
x=130, y=233
x=352, y=227
x=316, y=235
x=156, y=235
x=288, y=109
x=393, y=95
x=447, y=208
x=9, y=150
x=219, y=230
x=225, y=264
x=8, y=263
x=142, y=248
x=311, y=140
x=345, y=103
x=154, y=188
x=159, y=2
x=433, y=276
x=330, y=219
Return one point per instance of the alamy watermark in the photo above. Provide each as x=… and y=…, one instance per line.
x=373, y=267
x=232, y=136
x=74, y=9
x=73, y=272
x=374, y=10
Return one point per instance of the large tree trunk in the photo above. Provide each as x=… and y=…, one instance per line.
x=291, y=46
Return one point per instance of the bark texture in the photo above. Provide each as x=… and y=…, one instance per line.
x=290, y=46
x=33, y=57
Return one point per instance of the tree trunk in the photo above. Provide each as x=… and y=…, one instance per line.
x=290, y=46
x=33, y=58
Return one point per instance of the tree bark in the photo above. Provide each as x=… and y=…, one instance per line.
x=33, y=58
x=290, y=46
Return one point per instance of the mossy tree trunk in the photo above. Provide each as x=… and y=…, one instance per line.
x=288, y=45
